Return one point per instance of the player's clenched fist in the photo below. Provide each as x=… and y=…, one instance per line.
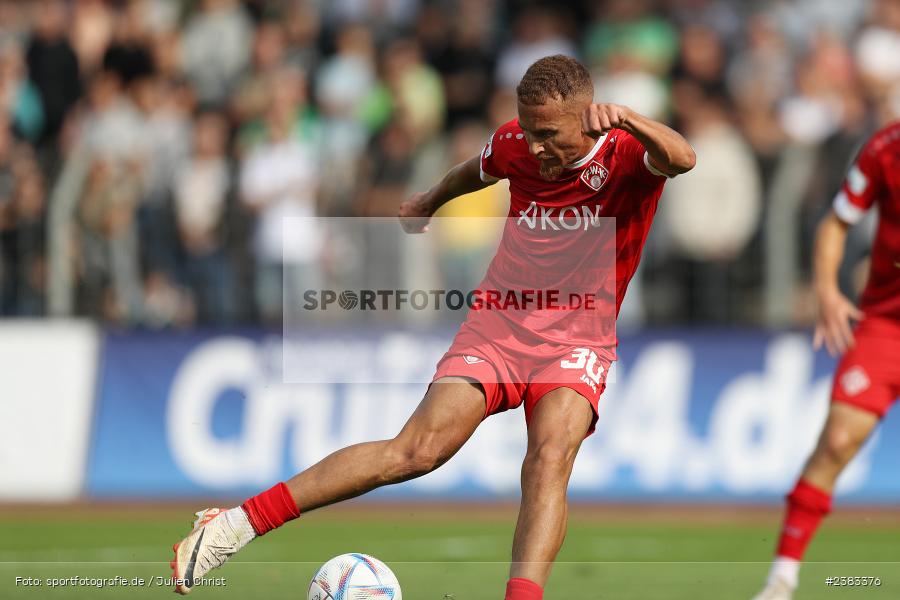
x=415, y=213
x=597, y=119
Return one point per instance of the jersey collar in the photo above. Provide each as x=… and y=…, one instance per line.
x=587, y=157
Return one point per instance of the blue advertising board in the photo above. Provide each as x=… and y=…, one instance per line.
x=722, y=416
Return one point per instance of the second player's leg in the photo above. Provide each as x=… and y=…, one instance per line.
x=844, y=433
x=447, y=416
x=558, y=426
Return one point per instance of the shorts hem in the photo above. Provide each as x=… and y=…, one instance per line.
x=878, y=412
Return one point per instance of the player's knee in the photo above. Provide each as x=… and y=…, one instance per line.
x=413, y=460
x=840, y=445
x=549, y=458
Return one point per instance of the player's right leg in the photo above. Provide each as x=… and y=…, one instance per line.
x=447, y=417
x=559, y=423
x=444, y=420
x=845, y=431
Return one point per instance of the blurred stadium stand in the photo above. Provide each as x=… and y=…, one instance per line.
x=149, y=148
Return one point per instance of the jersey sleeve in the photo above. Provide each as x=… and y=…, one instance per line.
x=637, y=159
x=860, y=188
x=495, y=155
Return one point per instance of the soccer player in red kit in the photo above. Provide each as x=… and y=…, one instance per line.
x=867, y=379
x=572, y=166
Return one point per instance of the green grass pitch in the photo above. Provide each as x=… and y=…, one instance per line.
x=453, y=553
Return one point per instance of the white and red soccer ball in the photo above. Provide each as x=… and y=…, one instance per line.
x=354, y=577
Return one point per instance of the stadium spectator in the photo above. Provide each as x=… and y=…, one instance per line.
x=202, y=190
x=278, y=185
x=22, y=249
x=416, y=91
x=19, y=98
x=112, y=135
x=53, y=66
x=249, y=101
x=93, y=25
x=166, y=109
x=878, y=56
x=628, y=30
x=758, y=77
x=216, y=48
x=814, y=111
x=537, y=32
x=625, y=82
x=346, y=92
x=702, y=59
x=303, y=25
x=384, y=18
x=465, y=58
x=711, y=216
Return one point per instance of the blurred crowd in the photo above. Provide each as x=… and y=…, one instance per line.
x=150, y=150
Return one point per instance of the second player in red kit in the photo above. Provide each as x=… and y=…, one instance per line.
x=585, y=180
x=867, y=379
x=868, y=375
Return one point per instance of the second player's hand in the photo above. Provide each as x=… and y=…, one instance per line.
x=415, y=214
x=597, y=119
x=833, y=326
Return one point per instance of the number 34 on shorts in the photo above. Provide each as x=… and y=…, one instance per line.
x=585, y=359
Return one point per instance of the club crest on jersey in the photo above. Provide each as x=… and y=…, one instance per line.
x=595, y=175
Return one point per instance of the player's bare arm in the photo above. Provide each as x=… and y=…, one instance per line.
x=836, y=311
x=464, y=178
x=668, y=151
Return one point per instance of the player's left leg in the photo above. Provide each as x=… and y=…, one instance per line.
x=558, y=424
x=845, y=431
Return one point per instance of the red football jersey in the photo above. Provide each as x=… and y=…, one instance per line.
x=874, y=179
x=580, y=235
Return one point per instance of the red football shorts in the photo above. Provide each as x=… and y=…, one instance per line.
x=868, y=376
x=513, y=373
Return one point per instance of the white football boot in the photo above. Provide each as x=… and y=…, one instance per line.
x=218, y=533
x=778, y=589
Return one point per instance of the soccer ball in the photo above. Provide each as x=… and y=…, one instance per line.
x=354, y=577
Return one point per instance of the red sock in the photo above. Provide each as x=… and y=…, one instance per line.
x=523, y=589
x=271, y=509
x=806, y=506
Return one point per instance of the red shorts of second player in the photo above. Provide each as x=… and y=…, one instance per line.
x=512, y=373
x=868, y=376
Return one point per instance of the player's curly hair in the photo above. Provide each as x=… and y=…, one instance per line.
x=557, y=76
